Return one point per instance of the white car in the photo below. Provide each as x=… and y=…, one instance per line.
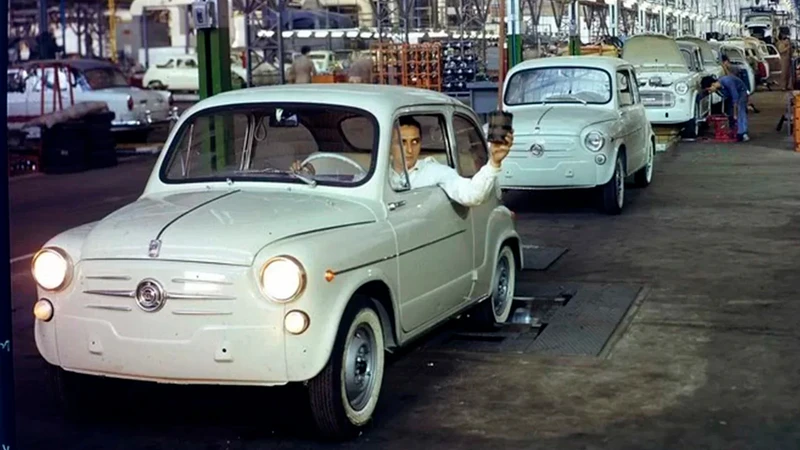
x=83, y=80
x=181, y=74
x=236, y=267
x=669, y=86
x=710, y=61
x=578, y=123
x=738, y=59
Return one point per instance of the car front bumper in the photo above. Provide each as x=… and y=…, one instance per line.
x=220, y=332
x=146, y=122
x=577, y=168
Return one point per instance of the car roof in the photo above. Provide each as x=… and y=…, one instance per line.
x=376, y=98
x=609, y=63
x=688, y=44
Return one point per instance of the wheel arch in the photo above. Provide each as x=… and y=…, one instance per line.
x=380, y=295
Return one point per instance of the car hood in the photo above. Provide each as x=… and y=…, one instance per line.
x=216, y=226
x=557, y=119
x=653, y=51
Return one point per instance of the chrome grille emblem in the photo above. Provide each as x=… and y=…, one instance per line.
x=537, y=150
x=150, y=295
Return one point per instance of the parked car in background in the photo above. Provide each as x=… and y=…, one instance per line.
x=669, y=82
x=83, y=80
x=579, y=122
x=181, y=74
x=274, y=243
x=710, y=60
x=739, y=60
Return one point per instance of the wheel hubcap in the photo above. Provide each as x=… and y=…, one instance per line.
x=360, y=361
x=501, y=287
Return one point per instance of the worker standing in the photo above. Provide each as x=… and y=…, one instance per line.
x=302, y=69
x=785, y=50
x=361, y=70
x=736, y=99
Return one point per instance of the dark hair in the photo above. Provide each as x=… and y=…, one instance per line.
x=707, y=81
x=409, y=121
x=304, y=49
x=724, y=58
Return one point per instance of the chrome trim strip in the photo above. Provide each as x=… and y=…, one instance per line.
x=108, y=277
x=193, y=280
x=110, y=307
x=192, y=312
x=112, y=293
x=189, y=296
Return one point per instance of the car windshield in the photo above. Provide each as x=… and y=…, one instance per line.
x=268, y=142
x=559, y=85
x=105, y=78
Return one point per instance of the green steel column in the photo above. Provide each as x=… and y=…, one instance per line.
x=214, y=65
x=574, y=30
x=513, y=35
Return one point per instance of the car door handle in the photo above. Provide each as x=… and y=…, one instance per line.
x=394, y=205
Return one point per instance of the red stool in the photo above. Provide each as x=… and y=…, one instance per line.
x=720, y=126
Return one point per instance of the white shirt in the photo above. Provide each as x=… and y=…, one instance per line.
x=466, y=191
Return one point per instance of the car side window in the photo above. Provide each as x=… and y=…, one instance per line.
x=634, y=84
x=470, y=147
x=423, y=135
x=624, y=89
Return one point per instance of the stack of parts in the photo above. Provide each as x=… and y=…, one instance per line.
x=412, y=65
x=460, y=65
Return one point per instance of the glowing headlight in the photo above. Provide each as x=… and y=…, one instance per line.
x=681, y=88
x=51, y=268
x=283, y=278
x=594, y=141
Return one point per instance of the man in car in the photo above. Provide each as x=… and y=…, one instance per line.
x=735, y=92
x=407, y=145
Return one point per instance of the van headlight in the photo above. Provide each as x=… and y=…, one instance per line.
x=594, y=141
x=681, y=88
x=51, y=268
x=282, y=278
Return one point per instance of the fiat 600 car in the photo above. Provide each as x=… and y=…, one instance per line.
x=578, y=123
x=274, y=243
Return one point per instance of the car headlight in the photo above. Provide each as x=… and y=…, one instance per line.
x=283, y=278
x=681, y=88
x=594, y=141
x=51, y=269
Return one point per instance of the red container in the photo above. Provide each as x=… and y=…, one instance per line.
x=721, y=129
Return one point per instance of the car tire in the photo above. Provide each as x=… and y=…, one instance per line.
x=644, y=176
x=692, y=128
x=358, y=350
x=613, y=193
x=156, y=85
x=495, y=310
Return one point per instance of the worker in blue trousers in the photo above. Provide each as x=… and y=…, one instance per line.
x=735, y=92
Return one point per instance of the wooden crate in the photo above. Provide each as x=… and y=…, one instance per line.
x=413, y=65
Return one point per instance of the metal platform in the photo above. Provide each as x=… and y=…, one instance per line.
x=537, y=257
x=575, y=319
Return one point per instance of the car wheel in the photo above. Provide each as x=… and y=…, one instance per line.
x=613, y=192
x=644, y=176
x=344, y=395
x=156, y=85
x=495, y=310
x=692, y=128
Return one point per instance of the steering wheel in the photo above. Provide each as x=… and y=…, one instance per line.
x=342, y=158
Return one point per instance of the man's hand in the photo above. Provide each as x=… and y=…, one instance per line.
x=297, y=168
x=500, y=151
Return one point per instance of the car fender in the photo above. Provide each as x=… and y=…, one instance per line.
x=370, y=256
x=606, y=171
x=501, y=227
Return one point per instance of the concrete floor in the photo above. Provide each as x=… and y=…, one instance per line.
x=709, y=359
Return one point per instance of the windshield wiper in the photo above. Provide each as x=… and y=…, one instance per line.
x=309, y=181
x=568, y=97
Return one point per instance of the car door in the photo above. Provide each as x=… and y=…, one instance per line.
x=774, y=62
x=639, y=117
x=434, y=235
x=471, y=155
x=629, y=133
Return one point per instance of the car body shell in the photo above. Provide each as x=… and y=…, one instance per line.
x=134, y=108
x=561, y=128
x=216, y=326
x=661, y=68
x=738, y=58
